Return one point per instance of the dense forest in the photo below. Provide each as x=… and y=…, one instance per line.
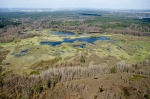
x=14, y=23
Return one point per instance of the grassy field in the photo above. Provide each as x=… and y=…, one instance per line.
x=27, y=52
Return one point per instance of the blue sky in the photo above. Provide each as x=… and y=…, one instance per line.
x=112, y=4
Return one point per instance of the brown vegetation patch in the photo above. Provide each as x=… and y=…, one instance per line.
x=3, y=54
x=45, y=64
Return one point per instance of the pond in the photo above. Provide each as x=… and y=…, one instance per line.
x=83, y=39
x=24, y=51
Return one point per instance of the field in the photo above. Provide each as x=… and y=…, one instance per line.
x=130, y=49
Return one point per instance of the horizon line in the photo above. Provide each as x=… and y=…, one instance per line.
x=75, y=8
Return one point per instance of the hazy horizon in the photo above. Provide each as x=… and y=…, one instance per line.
x=91, y=4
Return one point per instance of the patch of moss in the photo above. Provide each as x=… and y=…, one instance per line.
x=79, y=49
x=63, y=48
x=137, y=77
x=34, y=73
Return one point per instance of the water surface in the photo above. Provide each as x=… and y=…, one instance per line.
x=83, y=39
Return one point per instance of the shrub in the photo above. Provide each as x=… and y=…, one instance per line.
x=147, y=96
x=82, y=59
x=1, y=80
x=37, y=88
x=0, y=68
x=54, y=81
x=2, y=96
x=48, y=84
x=113, y=70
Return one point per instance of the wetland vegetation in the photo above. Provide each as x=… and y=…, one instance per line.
x=83, y=54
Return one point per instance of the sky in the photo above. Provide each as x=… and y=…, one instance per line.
x=102, y=4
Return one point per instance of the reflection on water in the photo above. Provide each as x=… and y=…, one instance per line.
x=66, y=40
